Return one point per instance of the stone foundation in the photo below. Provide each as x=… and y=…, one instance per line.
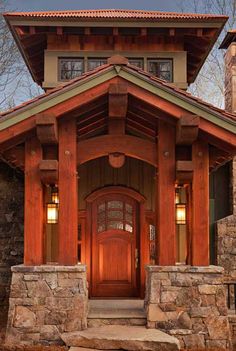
x=46, y=301
x=190, y=304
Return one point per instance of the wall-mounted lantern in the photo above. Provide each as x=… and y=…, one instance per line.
x=180, y=214
x=55, y=195
x=180, y=208
x=52, y=207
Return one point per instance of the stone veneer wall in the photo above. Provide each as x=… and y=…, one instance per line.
x=11, y=233
x=226, y=235
x=226, y=250
x=188, y=303
x=46, y=301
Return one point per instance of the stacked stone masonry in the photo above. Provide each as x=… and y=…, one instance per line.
x=46, y=301
x=226, y=249
x=11, y=233
x=190, y=304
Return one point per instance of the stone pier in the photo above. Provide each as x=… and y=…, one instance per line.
x=46, y=301
x=190, y=304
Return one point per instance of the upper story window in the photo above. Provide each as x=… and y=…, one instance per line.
x=161, y=68
x=95, y=62
x=138, y=62
x=70, y=68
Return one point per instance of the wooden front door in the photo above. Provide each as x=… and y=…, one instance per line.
x=114, y=246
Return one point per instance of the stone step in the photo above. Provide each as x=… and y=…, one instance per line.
x=117, y=337
x=117, y=304
x=116, y=309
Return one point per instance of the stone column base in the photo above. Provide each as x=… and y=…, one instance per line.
x=46, y=301
x=190, y=304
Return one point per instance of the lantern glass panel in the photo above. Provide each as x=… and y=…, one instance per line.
x=52, y=213
x=180, y=214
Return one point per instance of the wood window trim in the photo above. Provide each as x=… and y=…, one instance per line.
x=69, y=59
x=170, y=60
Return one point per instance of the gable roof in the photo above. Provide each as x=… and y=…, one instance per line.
x=121, y=14
x=217, y=126
x=7, y=116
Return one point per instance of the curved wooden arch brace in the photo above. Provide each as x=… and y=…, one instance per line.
x=104, y=145
x=115, y=190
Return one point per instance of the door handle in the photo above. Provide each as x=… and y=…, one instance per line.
x=136, y=258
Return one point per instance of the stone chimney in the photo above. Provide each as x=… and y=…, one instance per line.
x=230, y=71
x=229, y=43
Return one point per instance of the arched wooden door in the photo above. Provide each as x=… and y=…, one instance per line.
x=115, y=244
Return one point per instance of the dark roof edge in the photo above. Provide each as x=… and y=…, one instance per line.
x=229, y=38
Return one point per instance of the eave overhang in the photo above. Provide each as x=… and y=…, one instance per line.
x=196, y=52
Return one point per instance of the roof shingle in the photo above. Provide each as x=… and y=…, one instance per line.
x=118, y=14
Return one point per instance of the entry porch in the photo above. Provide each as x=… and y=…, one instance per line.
x=116, y=167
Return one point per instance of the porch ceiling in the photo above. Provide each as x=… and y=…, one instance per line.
x=141, y=119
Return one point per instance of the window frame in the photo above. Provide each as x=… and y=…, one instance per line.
x=170, y=60
x=141, y=59
x=89, y=59
x=69, y=59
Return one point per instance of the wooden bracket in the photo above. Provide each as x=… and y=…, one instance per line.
x=46, y=126
x=184, y=171
x=187, y=129
x=49, y=172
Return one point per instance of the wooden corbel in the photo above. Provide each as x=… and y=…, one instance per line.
x=46, y=127
x=184, y=171
x=49, y=172
x=187, y=129
x=118, y=105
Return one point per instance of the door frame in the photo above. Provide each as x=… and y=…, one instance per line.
x=143, y=235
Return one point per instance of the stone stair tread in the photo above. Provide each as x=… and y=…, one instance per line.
x=117, y=304
x=116, y=337
x=116, y=313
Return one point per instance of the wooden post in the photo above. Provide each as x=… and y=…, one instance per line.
x=200, y=204
x=165, y=189
x=68, y=207
x=33, y=223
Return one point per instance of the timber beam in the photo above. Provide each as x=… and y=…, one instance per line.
x=49, y=172
x=187, y=129
x=184, y=171
x=118, y=105
x=46, y=126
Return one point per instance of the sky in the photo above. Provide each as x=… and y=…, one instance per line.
x=41, y=5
